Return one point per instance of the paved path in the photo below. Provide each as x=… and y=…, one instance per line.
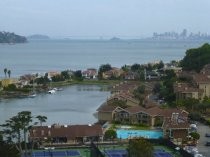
x=202, y=130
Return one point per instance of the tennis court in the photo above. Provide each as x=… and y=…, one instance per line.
x=116, y=153
x=161, y=153
x=124, y=153
x=56, y=153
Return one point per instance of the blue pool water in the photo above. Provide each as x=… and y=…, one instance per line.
x=151, y=134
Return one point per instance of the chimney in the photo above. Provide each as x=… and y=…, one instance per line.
x=174, y=117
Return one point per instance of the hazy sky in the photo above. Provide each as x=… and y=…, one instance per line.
x=103, y=17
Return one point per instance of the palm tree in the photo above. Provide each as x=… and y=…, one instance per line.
x=41, y=119
x=5, y=72
x=9, y=73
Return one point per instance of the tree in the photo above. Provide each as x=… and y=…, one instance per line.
x=103, y=68
x=8, y=150
x=10, y=87
x=58, y=78
x=140, y=148
x=110, y=134
x=160, y=65
x=9, y=73
x=190, y=104
x=156, y=88
x=41, y=119
x=65, y=74
x=196, y=58
x=16, y=128
x=140, y=89
x=120, y=103
x=195, y=135
x=125, y=68
x=5, y=72
x=78, y=75
x=195, y=116
x=139, y=94
x=135, y=67
x=167, y=88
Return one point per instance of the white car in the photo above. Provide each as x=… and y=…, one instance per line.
x=198, y=155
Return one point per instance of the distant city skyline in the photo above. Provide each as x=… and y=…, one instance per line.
x=105, y=18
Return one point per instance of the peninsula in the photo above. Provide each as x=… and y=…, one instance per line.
x=10, y=38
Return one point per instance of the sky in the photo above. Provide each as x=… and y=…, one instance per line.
x=101, y=18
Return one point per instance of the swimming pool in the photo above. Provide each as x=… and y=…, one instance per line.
x=151, y=134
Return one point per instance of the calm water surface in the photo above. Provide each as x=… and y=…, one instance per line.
x=44, y=56
x=74, y=105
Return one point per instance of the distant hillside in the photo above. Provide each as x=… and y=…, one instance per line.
x=115, y=39
x=196, y=58
x=38, y=37
x=7, y=37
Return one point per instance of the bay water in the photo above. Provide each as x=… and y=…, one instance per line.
x=57, y=55
x=76, y=104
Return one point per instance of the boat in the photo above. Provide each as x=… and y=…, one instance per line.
x=52, y=91
x=60, y=89
x=33, y=95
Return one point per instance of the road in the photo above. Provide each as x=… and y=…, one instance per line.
x=202, y=130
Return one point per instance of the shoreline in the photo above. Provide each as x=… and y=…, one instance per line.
x=48, y=86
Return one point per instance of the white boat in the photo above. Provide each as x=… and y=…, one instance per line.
x=52, y=91
x=58, y=89
x=32, y=95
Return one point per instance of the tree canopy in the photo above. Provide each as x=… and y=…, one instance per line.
x=120, y=103
x=16, y=128
x=140, y=148
x=110, y=134
x=195, y=135
x=103, y=68
x=196, y=58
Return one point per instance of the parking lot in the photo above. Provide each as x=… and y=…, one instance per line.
x=202, y=130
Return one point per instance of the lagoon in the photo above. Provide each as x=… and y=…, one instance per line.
x=76, y=104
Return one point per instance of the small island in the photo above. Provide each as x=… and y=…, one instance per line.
x=38, y=37
x=11, y=38
x=115, y=39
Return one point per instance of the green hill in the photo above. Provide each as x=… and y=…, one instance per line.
x=196, y=58
x=7, y=37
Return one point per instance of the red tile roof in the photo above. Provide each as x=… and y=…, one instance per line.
x=70, y=131
x=106, y=108
x=135, y=109
x=186, y=88
x=201, y=78
x=177, y=124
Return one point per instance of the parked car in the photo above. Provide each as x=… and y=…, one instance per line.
x=198, y=155
x=207, y=134
x=207, y=143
